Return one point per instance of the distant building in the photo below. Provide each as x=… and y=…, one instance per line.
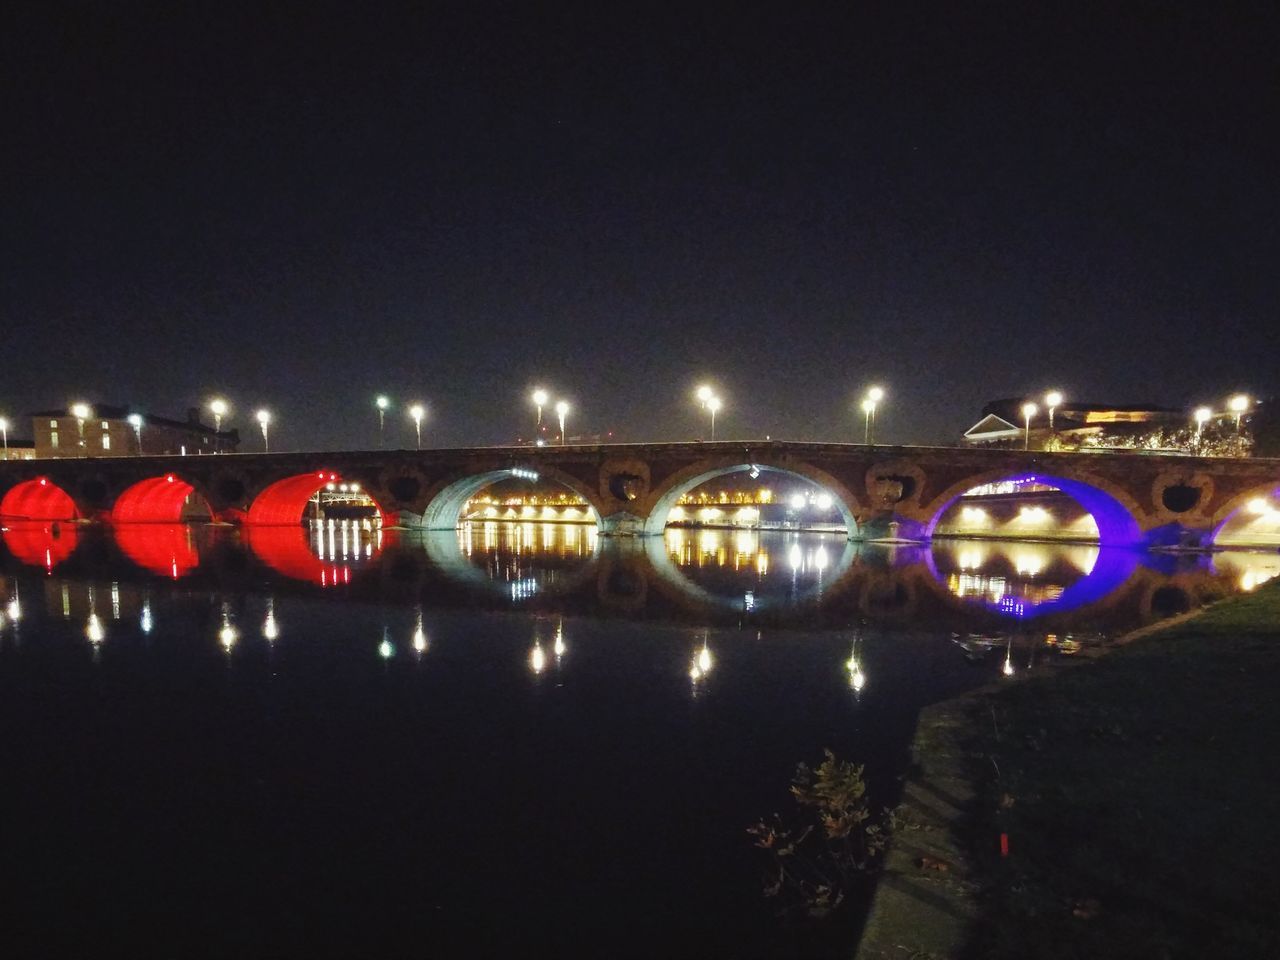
x=107, y=432
x=19, y=449
x=1003, y=424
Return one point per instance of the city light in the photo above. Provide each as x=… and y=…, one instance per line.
x=562, y=410
x=1028, y=411
x=1052, y=400
x=82, y=412
x=713, y=405
x=1238, y=405
x=264, y=421
x=798, y=500
x=218, y=408
x=270, y=628
x=704, y=393
x=4, y=432
x=869, y=405
x=135, y=421
x=382, y=403
x=1202, y=416
x=417, y=412
x=540, y=399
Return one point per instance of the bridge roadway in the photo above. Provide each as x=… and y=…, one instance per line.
x=881, y=490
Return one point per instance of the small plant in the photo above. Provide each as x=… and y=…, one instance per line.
x=832, y=840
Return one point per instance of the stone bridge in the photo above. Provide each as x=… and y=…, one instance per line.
x=1135, y=499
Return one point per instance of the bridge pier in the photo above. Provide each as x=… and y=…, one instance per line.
x=623, y=524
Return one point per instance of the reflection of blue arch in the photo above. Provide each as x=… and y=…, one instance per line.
x=657, y=519
x=1116, y=525
x=1113, y=567
x=655, y=549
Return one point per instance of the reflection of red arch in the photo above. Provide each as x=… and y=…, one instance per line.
x=39, y=499
x=163, y=548
x=157, y=500
x=285, y=501
x=41, y=544
x=287, y=550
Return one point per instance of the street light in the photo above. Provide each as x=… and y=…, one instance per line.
x=874, y=396
x=704, y=394
x=713, y=404
x=381, y=403
x=82, y=412
x=264, y=420
x=868, y=408
x=135, y=421
x=1238, y=405
x=218, y=408
x=1052, y=399
x=1028, y=411
x=418, y=411
x=539, y=400
x=1202, y=416
x=4, y=431
x=562, y=408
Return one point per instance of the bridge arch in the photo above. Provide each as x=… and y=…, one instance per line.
x=38, y=499
x=284, y=502
x=1262, y=501
x=161, y=499
x=444, y=508
x=665, y=497
x=1115, y=511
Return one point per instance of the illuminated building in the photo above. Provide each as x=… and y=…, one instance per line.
x=107, y=432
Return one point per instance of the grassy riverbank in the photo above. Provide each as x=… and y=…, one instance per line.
x=1137, y=796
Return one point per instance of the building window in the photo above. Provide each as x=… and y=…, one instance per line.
x=53, y=439
x=53, y=424
x=106, y=441
x=105, y=425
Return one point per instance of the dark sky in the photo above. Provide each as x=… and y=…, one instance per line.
x=960, y=203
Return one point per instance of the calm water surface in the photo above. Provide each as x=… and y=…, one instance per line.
x=346, y=741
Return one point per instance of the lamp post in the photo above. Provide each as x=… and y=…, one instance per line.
x=539, y=400
x=1238, y=405
x=1202, y=416
x=4, y=432
x=874, y=396
x=381, y=403
x=868, y=407
x=1052, y=400
x=417, y=412
x=135, y=421
x=264, y=421
x=1028, y=411
x=82, y=412
x=713, y=404
x=218, y=408
x=562, y=410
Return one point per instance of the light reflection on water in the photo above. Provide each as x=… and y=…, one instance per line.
x=684, y=574
x=609, y=681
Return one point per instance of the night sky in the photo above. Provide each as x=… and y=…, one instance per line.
x=959, y=203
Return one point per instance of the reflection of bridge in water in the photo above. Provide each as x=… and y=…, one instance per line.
x=718, y=576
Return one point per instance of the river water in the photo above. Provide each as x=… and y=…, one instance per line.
x=347, y=741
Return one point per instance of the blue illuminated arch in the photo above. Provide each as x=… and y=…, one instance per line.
x=1117, y=526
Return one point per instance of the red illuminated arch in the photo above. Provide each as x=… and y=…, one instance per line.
x=155, y=500
x=39, y=499
x=163, y=548
x=285, y=501
x=41, y=544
